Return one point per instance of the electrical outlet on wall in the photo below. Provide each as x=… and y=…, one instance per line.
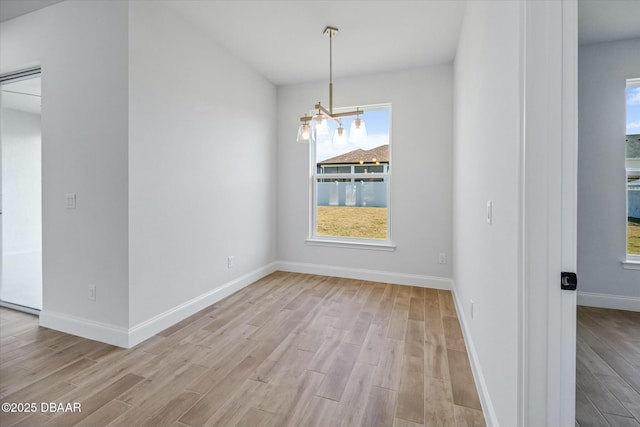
x=70, y=200
x=442, y=258
x=230, y=261
x=91, y=292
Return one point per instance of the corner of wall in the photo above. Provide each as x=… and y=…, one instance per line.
x=127, y=338
x=366, y=274
x=615, y=302
x=150, y=327
x=85, y=328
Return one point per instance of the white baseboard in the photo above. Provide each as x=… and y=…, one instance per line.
x=483, y=392
x=22, y=308
x=85, y=328
x=616, y=302
x=127, y=338
x=365, y=274
x=149, y=328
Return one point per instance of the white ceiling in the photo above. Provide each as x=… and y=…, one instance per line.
x=608, y=20
x=283, y=39
x=11, y=8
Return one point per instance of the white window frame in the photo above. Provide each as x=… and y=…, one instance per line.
x=631, y=262
x=342, y=241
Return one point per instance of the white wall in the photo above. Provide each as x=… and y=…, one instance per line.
x=421, y=179
x=82, y=48
x=21, y=209
x=603, y=69
x=486, y=156
x=168, y=142
x=201, y=164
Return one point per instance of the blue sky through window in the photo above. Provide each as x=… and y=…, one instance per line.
x=377, y=123
x=633, y=110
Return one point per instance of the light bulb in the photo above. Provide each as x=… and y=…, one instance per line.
x=304, y=133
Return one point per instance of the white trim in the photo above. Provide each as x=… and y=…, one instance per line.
x=631, y=264
x=569, y=215
x=521, y=391
x=616, y=302
x=346, y=243
x=314, y=176
x=354, y=175
x=488, y=410
x=149, y=328
x=366, y=274
x=548, y=313
x=85, y=328
x=18, y=307
x=632, y=259
x=127, y=338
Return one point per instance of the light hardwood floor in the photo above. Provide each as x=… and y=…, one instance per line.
x=291, y=349
x=608, y=368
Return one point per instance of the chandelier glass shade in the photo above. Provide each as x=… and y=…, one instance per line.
x=319, y=123
x=304, y=132
x=339, y=136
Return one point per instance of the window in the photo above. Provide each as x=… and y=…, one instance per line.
x=632, y=164
x=350, y=183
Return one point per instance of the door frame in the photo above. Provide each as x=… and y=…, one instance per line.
x=24, y=73
x=549, y=213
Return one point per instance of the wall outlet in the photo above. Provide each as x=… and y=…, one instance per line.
x=442, y=258
x=230, y=261
x=91, y=292
x=471, y=309
x=489, y=212
x=70, y=200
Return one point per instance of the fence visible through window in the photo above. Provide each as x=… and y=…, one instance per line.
x=351, y=182
x=632, y=166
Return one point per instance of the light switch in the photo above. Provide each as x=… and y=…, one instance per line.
x=70, y=200
x=489, y=212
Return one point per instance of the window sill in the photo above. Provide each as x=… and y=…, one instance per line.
x=359, y=244
x=631, y=264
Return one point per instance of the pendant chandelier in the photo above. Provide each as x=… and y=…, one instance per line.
x=315, y=125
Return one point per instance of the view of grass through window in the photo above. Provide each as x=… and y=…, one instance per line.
x=351, y=178
x=632, y=163
x=633, y=240
x=346, y=221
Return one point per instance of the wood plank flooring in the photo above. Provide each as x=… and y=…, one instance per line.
x=290, y=349
x=607, y=368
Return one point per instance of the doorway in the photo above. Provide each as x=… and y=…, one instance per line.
x=21, y=186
